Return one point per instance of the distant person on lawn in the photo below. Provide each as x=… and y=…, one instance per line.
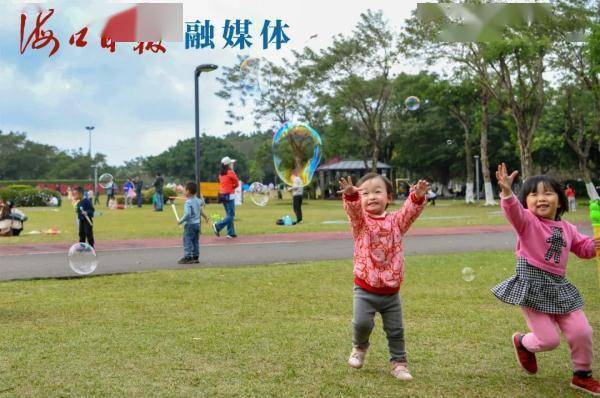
x=85, y=214
x=228, y=182
x=159, y=183
x=193, y=209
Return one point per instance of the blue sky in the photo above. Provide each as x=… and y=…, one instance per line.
x=142, y=104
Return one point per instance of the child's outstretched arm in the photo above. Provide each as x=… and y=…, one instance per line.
x=413, y=206
x=352, y=206
x=512, y=208
x=505, y=181
x=584, y=246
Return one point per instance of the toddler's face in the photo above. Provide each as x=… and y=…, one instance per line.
x=543, y=202
x=374, y=196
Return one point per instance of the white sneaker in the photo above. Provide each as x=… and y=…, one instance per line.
x=357, y=358
x=400, y=371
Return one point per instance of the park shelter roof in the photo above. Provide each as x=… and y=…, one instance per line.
x=352, y=165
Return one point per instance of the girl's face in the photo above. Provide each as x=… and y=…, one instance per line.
x=543, y=202
x=374, y=196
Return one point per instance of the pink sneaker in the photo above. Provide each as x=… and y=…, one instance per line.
x=400, y=371
x=357, y=358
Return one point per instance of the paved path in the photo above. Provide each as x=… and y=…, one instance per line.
x=41, y=261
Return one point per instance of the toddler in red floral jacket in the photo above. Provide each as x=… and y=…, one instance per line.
x=379, y=262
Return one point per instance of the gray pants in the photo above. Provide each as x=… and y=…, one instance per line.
x=366, y=304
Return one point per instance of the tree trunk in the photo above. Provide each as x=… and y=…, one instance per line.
x=469, y=197
x=525, y=152
x=485, y=165
x=587, y=178
x=374, y=158
x=469, y=163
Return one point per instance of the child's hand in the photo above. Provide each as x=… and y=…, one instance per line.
x=597, y=243
x=346, y=187
x=420, y=189
x=84, y=212
x=505, y=181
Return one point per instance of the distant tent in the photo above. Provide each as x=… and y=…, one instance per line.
x=330, y=173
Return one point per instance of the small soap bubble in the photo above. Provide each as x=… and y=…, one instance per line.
x=468, y=274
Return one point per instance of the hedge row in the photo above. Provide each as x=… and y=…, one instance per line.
x=25, y=196
x=34, y=183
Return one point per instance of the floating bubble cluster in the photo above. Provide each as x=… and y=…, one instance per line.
x=296, y=151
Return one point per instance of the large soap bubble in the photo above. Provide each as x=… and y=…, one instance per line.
x=82, y=258
x=250, y=73
x=105, y=180
x=259, y=193
x=296, y=151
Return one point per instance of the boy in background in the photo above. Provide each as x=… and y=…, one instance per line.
x=85, y=214
x=193, y=209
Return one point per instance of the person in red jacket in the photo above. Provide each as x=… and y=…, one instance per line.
x=228, y=182
x=570, y=192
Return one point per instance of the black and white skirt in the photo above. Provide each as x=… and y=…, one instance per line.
x=540, y=290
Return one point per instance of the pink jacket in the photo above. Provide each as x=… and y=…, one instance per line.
x=378, y=251
x=545, y=243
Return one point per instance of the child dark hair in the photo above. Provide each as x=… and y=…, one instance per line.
x=191, y=187
x=79, y=190
x=224, y=169
x=531, y=184
x=370, y=176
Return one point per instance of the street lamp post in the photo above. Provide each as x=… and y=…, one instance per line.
x=477, y=175
x=197, y=72
x=96, y=199
x=89, y=129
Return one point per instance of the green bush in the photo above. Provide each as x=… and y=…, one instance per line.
x=19, y=187
x=147, y=195
x=30, y=197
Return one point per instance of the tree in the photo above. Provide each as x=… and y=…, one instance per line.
x=21, y=158
x=580, y=135
x=460, y=99
x=356, y=70
x=508, y=69
x=425, y=143
x=178, y=161
x=272, y=98
x=579, y=64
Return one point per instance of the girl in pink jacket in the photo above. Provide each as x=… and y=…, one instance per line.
x=379, y=262
x=548, y=300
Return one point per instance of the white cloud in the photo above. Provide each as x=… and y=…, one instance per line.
x=140, y=105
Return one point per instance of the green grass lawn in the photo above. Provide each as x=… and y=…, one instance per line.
x=250, y=219
x=271, y=331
